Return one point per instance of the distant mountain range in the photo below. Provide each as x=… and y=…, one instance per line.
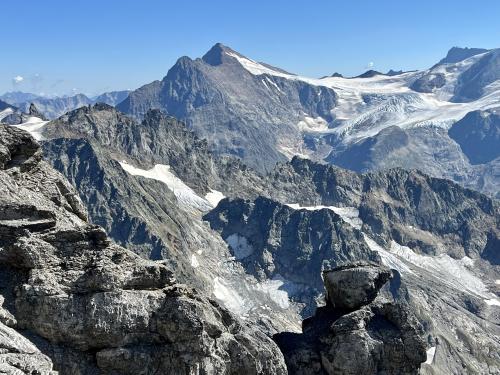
x=57, y=106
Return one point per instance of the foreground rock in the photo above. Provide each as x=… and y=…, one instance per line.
x=358, y=332
x=92, y=306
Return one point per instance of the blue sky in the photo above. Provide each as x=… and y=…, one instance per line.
x=94, y=46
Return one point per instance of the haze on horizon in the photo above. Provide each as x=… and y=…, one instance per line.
x=118, y=45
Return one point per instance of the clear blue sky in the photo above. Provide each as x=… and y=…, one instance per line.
x=94, y=46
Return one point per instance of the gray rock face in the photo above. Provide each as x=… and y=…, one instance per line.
x=239, y=113
x=396, y=199
x=20, y=356
x=369, y=74
x=33, y=111
x=393, y=72
x=472, y=83
x=354, y=285
x=478, y=135
x=93, y=306
x=428, y=82
x=374, y=336
x=274, y=241
x=298, y=254
x=158, y=139
x=432, y=150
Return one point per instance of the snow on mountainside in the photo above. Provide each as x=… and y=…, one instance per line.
x=34, y=126
x=186, y=196
x=423, y=104
x=363, y=99
x=263, y=114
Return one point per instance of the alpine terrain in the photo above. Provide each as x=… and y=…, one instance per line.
x=235, y=218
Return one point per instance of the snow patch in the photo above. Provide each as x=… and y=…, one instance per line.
x=5, y=113
x=275, y=289
x=240, y=246
x=492, y=302
x=290, y=152
x=160, y=172
x=214, y=197
x=431, y=352
x=34, y=126
x=255, y=68
x=194, y=261
x=274, y=84
x=348, y=214
x=310, y=124
x=450, y=271
x=228, y=296
x=390, y=260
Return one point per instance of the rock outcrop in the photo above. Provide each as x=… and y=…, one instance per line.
x=92, y=306
x=359, y=331
x=478, y=135
x=33, y=111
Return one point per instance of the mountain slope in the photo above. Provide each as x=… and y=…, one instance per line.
x=55, y=107
x=263, y=114
x=457, y=54
x=443, y=241
x=478, y=135
x=112, y=97
x=252, y=117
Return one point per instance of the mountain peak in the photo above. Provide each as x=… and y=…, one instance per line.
x=457, y=54
x=369, y=74
x=215, y=56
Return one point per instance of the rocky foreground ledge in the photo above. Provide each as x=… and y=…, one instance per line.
x=76, y=303
x=72, y=302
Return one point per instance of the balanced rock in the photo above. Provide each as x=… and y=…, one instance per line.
x=351, y=286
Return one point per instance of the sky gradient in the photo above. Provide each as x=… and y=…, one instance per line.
x=57, y=47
